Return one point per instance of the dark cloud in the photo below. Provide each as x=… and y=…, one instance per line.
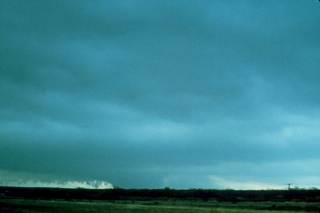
x=149, y=94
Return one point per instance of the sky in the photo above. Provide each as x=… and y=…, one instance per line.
x=167, y=93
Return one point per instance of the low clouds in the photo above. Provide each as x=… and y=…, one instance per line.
x=154, y=94
x=59, y=184
x=20, y=179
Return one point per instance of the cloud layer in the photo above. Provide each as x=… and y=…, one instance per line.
x=161, y=93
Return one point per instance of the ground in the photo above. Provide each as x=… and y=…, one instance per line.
x=36, y=206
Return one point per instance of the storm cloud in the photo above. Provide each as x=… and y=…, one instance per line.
x=208, y=94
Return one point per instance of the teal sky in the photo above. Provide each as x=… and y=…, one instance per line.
x=194, y=94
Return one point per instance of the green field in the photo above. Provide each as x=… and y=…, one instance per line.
x=33, y=206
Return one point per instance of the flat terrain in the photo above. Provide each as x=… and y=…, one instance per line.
x=31, y=200
x=36, y=206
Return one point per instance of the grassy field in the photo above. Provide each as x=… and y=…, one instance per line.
x=36, y=206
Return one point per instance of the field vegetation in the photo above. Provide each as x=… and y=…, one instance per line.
x=36, y=206
x=30, y=200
